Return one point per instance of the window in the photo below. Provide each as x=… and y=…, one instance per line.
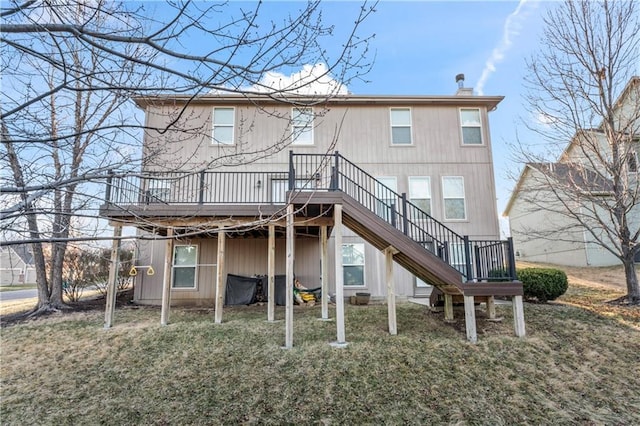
x=421, y=284
x=457, y=257
x=185, y=263
x=420, y=192
x=453, y=195
x=471, y=126
x=353, y=264
x=302, y=126
x=632, y=162
x=159, y=191
x=386, y=199
x=401, y=126
x=222, y=128
x=279, y=188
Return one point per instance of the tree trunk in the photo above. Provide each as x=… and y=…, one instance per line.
x=633, y=292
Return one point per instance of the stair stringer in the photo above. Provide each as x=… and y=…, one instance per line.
x=411, y=255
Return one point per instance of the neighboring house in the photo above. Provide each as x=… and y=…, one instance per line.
x=544, y=191
x=414, y=176
x=16, y=265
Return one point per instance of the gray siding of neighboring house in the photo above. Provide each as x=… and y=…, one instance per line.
x=13, y=270
x=566, y=243
x=524, y=216
x=364, y=138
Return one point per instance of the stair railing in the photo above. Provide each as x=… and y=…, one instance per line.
x=481, y=260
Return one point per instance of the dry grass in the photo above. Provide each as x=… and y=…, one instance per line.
x=576, y=366
x=594, y=288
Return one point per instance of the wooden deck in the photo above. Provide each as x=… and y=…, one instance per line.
x=314, y=209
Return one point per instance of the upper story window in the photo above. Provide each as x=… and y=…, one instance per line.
x=223, y=124
x=302, y=126
x=453, y=197
x=401, y=126
x=185, y=264
x=420, y=192
x=471, y=126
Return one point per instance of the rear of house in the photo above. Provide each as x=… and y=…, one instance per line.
x=226, y=162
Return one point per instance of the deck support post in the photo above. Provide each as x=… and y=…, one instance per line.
x=166, y=287
x=324, y=274
x=339, y=278
x=288, y=339
x=448, y=307
x=112, y=287
x=391, y=295
x=518, y=316
x=220, y=287
x=470, y=318
x=271, y=274
x=491, y=307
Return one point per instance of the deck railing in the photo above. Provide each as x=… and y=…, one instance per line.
x=476, y=260
x=205, y=187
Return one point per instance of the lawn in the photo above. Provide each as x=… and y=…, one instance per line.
x=579, y=364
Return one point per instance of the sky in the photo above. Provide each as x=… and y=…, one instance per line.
x=420, y=46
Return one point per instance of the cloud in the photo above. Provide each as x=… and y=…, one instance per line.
x=310, y=80
x=511, y=29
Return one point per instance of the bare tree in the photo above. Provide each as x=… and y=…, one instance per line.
x=585, y=105
x=72, y=68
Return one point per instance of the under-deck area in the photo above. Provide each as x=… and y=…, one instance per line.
x=330, y=195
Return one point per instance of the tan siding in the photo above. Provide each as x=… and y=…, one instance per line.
x=364, y=138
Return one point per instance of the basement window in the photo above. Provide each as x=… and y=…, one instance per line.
x=353, y=264
x=185, y=266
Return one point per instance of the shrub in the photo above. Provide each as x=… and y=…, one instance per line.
x=543, y=284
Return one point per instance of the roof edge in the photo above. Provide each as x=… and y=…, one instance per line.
x=489, y=101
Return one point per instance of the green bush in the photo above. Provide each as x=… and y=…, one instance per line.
x=543, y=284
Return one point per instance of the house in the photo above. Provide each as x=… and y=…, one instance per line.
x=334, y=192
x=16, y=265
x=537, y=209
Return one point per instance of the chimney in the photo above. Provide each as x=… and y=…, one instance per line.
x=462, y=91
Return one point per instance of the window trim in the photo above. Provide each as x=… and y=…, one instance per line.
x=462, y=126
x=428, y=178
x=379, y=201
x=174, y=266
x=311, y=126
x=632, y=158
x=410, y=126
x=158, y=191
x=457, y=254
x=364, y=262
x=214, y=142
x=300, y=185
x=444, y=203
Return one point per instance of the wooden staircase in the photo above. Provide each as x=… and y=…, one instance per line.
x=460, y=268
x=384, y=218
